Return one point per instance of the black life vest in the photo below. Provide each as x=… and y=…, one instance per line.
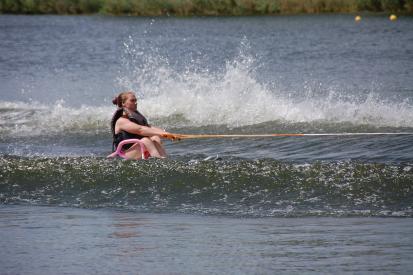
x=134, y=117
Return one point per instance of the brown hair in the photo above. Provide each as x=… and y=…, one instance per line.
x=121, y=98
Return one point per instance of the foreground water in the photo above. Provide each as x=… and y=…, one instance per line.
x=315, y=204
x=39, y=240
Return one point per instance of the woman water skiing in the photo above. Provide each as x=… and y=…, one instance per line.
x=127, y=123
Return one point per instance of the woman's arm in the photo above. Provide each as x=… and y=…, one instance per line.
x=157, y=128
x=167, y=135
x=128, y=126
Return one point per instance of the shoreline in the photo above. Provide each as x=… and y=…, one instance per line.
x=166, y=16
x=196, y=8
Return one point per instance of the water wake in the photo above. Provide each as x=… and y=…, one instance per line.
x=221, y=186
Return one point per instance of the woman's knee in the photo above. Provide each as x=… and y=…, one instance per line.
x=149, y=144
x=134, y=152
x=156, y=139
x=147, y=141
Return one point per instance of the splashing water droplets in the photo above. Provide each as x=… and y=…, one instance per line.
x=234, y=97
x=196, y=96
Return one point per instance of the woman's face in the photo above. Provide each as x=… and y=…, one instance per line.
x=131, y=102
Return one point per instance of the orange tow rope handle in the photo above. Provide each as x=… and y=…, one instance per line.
x=183, y=136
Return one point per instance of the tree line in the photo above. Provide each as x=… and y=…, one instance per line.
x=202, y=7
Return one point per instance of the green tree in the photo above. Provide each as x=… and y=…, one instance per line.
x=408, y=6
x=392, y=5
x=116, y=7
x=369, y=5
x=10, y=6
x=90, y=6
x=28, y=6
x=61, y=6
x=46, y=7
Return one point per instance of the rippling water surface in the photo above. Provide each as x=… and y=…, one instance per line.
x=103, y=241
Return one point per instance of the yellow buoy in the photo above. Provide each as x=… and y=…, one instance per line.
x=357, y=18
x=393, y=17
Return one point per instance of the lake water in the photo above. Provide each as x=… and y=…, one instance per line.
x=314, y=204
x=44, y=240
